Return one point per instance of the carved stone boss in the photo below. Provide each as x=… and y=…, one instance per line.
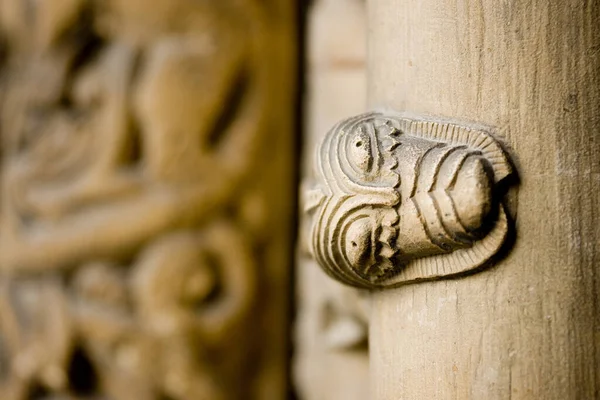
x=399, y=199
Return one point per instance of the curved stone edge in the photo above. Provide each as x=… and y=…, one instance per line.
x=455, y=263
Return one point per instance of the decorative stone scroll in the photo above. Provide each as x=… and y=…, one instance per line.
x=401, y=199
x=146, y=198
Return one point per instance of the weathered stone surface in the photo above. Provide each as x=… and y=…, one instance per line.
x=331, y=333
x=528, y=328
x=401, y=199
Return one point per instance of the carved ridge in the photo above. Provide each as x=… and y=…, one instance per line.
x=402, y=199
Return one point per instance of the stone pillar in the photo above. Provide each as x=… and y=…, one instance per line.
x=332, y=359
x=146, y=200
x=528, y=327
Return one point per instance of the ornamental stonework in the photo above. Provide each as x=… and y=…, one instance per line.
x=399, y=199
x=139, y=218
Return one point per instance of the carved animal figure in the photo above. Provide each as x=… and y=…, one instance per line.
x=394, y=192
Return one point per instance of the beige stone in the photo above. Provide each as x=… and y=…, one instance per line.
x=528, y=327
x=331, y=355
x=399, y=199
x=146, y=198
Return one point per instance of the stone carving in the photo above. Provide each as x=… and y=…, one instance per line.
x=133, y=231
x=400, y=199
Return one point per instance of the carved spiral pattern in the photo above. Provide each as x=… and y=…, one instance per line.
x=399, y=199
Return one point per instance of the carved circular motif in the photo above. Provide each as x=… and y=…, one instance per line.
x=399, y=199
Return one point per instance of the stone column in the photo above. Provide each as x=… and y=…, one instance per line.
x=528, y=327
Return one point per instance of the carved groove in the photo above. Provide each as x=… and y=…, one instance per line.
x=400, y=199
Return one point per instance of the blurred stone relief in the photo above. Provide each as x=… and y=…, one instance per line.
x=146, y=198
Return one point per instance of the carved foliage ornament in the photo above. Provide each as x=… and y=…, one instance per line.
x=134, y=232
x=399, y=199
